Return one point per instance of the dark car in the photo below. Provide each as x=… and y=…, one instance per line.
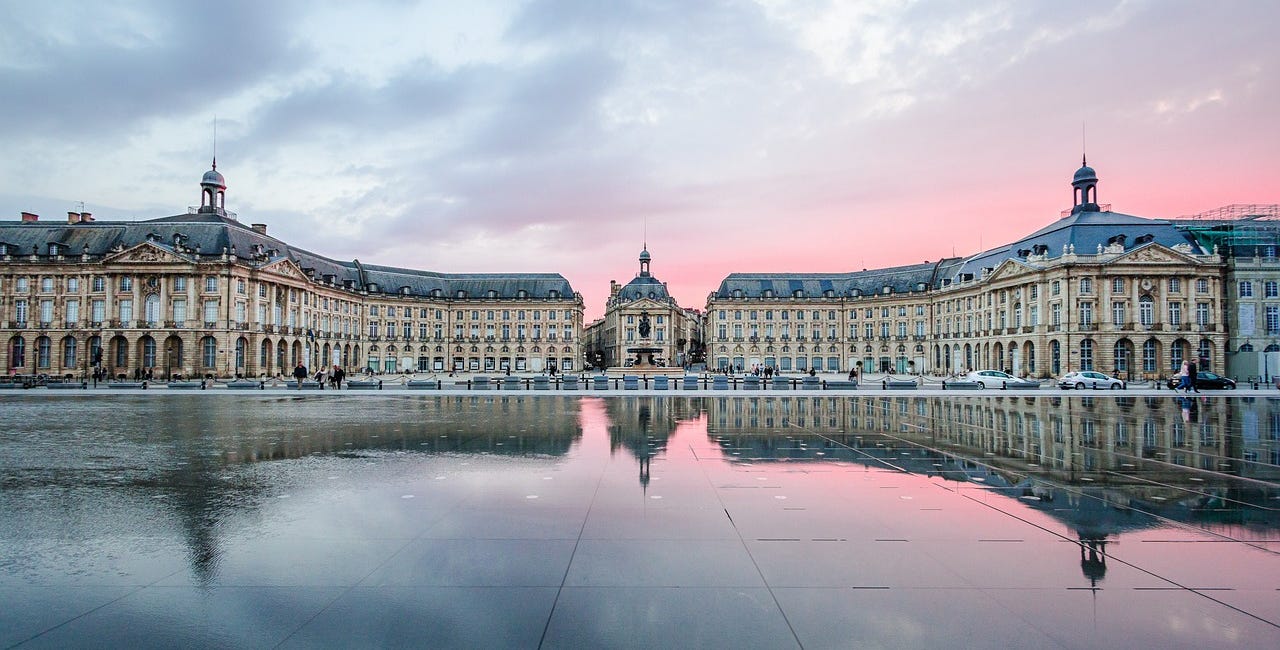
x=1207, y=380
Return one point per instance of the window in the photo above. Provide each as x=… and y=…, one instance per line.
x=1175, y=313
x=1086, y=314
x=1246, y=289
x=1202, y=285
x=126, y=310
x=211, y=283
x=1117, y=285
x=46, y=285
x=1271, y=289
x=126, y=283
x=1055, y=288
x=1086, y=355
x=1175, y=285
x=151, y=308
x=18, y=352
x=1086, y=285
x=180, y=284
x=209, y=352
x=1202, y=314
x=240, y=286
x=1055, y=314
x=46, y=311
x=69, y=352
x=1149, y=356
x=44, y=349
x=210, y=311
x=1273, y=319
x=1145, y=310
x=73, y=312
x=99, y=283
x=99, y=310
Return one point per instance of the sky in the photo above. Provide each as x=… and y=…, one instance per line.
x=562, y=135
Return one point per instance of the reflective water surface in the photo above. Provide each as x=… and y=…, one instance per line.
x=210, y=520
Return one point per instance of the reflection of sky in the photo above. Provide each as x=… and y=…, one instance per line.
x=324, y=492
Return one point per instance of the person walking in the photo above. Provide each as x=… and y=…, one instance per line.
x=1184, y=383
x=300, y=374
x=1192, y=371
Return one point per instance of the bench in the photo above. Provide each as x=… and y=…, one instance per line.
x=600, y=382
x=128, y=384
x=364, y=384
x=841, y=384
x=630, y=382
x=570, y=383
x=541, y=383
x=423, y=384
x=307, y=385
x=751, y=382
x=781, y=383
x=246, y=384
x=719, y=382
x=512, y=383
x=661, y=382
x=480, y=382
x=961, y=385
x=690, y=382
x=899, y=384
x=1021, y=385
x=186, y=385
x=810, y=382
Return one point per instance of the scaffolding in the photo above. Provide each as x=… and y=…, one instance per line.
x=1237, y=212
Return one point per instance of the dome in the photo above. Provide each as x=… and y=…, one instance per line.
x=1085, y=173
x=214, y=177
x=644, y=254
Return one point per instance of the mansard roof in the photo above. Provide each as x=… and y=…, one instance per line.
x=1083, y=232
x=644, y=286
x=899, y=279
x=213, y=234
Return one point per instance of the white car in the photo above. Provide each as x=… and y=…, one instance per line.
x=994, y=379
x=1090, y=379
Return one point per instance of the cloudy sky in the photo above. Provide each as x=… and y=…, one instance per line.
x=752, y=136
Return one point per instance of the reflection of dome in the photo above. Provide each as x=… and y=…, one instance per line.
x=214, y=177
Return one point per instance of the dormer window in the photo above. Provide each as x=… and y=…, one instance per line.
x=462, y=293
x=798, y=293
x=553, y=294
x=522, y=294
x=493, y=293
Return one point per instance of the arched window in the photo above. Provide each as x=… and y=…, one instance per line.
x=1121, y=352
x=17, y=352
x=1177, y=352
x=241, y=346
x=1206, y=353
x=1146, y=309
x=1055, y=357
x=209, y=352
x=151, y=309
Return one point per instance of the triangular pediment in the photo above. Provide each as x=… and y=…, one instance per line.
x=146, y=253
x=1154, y=253
x=287, y=268
x=1010, y=268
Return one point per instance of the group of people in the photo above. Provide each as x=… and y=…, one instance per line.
x=1187, y=377
x=333, y=378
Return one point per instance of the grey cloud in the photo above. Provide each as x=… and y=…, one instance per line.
x=202, y=53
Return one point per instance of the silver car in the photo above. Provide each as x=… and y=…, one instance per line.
x=1090, y=379
x=997, y=379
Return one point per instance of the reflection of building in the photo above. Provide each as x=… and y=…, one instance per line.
x=201, y=293
x=1094, y=289
x=643, y=323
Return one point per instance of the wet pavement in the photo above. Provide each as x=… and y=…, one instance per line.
x=242, y=520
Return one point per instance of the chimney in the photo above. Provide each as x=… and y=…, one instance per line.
x=260, y=228
x=73, y=217
x=30, y=217
x=86, y=217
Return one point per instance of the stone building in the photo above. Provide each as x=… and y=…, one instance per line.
x=1094, y=289
x=202, y=294
x=643, y=325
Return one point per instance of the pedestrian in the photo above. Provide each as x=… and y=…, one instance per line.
x=853, y=374
x=300, y=374
x=1184, y=382
x=1192, y=372
x=339, y=374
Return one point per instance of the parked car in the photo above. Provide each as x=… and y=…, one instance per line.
x=998, y=379
x=1090, y=379
x=1207, y=380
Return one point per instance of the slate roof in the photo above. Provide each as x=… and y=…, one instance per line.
x=212, y=234
x=644, y=286
x=1086, y=230
x=900, y=279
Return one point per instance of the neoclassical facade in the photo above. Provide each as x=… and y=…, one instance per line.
x=202, y=294
x=1094, y=289
x=642, y=315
